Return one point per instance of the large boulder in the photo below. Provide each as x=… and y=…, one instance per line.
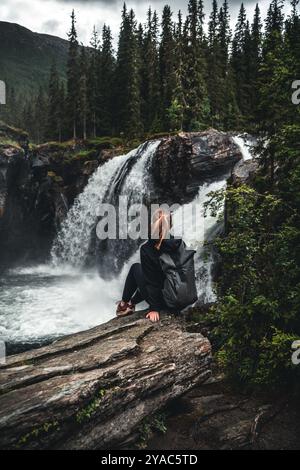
x=184, y=161
x=244, y=172
x=93, y=390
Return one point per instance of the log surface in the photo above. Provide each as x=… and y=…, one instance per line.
x=92, y=390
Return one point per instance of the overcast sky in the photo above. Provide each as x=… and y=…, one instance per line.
x=52, y=16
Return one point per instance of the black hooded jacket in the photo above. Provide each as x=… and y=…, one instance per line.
x=152, y=271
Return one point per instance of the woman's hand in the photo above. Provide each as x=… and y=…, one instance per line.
x=153, y=316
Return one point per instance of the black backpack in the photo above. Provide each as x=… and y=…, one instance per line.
x=179, y=289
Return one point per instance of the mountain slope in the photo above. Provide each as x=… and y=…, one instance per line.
x=26, y=57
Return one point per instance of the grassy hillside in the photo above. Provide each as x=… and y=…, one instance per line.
x=26, y=57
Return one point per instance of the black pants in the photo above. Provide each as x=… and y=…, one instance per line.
x=135, y=287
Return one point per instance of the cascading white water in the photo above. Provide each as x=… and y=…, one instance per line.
x=245, y=144
x=72, y=243
x=197, y=229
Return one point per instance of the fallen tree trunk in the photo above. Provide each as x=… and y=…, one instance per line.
x=92, y=390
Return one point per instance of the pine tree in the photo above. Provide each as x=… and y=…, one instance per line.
x=292, y=39
x=214, y=77
x=254, y=65
x=28, y=118
x=227, y=87
x=39, y=117
x=178, y=105
x=167, y=65
x=61, y=117
x=83, y=92
x=73, y=75
x=93, y=83
x=219, y=81
x=106, y=78
x=224, y=36
x=238, y=42
x=150, y=85
x=240, y=61
x=230, y=112
x=256, y=36
x=127, y=112
x=197, y=104
x=134, y=126
x=274, y=92
x=53, y=129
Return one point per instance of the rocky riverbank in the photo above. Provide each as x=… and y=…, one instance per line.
x=214, y=416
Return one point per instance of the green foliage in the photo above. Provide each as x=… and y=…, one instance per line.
x=259, y=289
x=85, y=155
x=175, y=115
x=56, y=99
x=55, y=177
x=155, y=423
x=38, y=432
x=100, y=143
x=9, y=142
x=87, y=412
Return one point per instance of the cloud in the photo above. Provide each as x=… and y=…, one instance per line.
x=86, y=2
x=53, y=16
x=51, y=26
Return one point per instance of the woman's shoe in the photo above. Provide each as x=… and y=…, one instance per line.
x=124, y=309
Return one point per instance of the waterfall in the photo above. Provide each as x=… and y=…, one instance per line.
x=72, y=244
x=73, y=240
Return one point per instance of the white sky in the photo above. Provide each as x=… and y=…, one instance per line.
x=53, y=16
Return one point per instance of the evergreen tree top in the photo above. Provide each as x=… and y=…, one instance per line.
x=72, y=35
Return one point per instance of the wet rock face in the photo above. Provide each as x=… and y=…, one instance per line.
x=184, y=161
x=244, y=171
x=213, y=154
x=7, y=156
x=171, y=166
x=30, y=205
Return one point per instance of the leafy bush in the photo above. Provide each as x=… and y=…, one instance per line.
x=101, y=143
x=84, y=155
